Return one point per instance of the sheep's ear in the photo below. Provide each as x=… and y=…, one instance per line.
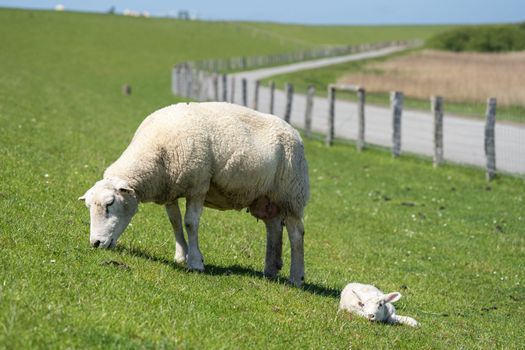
x=392, y=297
x=126, y=189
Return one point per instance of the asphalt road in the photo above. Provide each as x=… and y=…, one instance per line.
x=463, y=137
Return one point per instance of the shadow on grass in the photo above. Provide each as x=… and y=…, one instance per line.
x=215, y=270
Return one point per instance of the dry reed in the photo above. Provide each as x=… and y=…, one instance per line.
x=462, y=77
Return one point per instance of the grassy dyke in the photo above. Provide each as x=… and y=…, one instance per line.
x=451, y=245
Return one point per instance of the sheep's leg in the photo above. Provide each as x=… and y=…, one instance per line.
x=274, y=247
x=192, y=216
x=296, y=235
x=181, y=248
x=403, y=320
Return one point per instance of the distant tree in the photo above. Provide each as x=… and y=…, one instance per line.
x=499, y=38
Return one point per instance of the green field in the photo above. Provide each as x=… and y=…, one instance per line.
x=452, y=245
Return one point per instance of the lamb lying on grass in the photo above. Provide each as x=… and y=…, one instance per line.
x=212, y=154
x=367, y=301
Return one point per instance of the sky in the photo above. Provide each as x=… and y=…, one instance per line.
x=309, y=12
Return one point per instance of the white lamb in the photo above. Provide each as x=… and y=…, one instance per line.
x=212, y=154
x=367, y=301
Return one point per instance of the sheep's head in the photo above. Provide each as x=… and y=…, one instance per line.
x=112, y=204
x=379, y=308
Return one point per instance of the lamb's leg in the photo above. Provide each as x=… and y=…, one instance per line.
x=192, y=216
x=403, y=320
x=181, y=248
x=274, y=247
x=296, y=234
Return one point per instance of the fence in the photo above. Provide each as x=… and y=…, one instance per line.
x=432, y=134
x=241, y=63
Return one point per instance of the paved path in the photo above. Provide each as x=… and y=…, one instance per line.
x=463, y=137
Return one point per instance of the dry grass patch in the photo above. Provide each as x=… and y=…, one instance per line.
x=461, y=77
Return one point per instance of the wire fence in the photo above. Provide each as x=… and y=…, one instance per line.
x=485, y=141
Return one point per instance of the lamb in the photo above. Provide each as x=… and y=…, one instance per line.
x=215, y=155
x=367, y=301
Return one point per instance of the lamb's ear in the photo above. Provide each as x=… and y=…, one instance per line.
x=83, y=197
x=359, y=300
x=392, y=297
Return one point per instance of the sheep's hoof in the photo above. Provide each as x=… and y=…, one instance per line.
x=196, y=264
x=297, y=283
x=180, y=258
x=270, y=274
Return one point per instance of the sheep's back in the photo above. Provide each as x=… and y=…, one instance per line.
x=242, y=154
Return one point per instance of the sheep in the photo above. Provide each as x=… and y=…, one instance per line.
x=367, y=301
x=215, y=155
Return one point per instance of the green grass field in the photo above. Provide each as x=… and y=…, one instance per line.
x=322, y=77
x=452, y=245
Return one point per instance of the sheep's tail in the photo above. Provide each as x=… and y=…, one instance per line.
x=409, y=321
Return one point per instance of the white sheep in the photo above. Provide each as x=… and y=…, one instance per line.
x=212, y=154
x=367, y=301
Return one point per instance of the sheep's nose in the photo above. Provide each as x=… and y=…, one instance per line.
x=96, y=243
x=371, y=316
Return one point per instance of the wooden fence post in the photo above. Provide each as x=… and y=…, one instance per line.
x=289, y=98
x=361, y=96
x=174, y=80
x=309, y=108
x=272, y=95
x=437, y=110
x=232, y=88
x=331, y=116
x=215, y=87
x=244, y=92
x=224, y=88
x=126, y=89
x=396, y=101
x=256, y=95
x=189, y=81
x=490, y=142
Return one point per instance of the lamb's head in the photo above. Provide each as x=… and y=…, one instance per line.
x=112, y=204
x=379, y=308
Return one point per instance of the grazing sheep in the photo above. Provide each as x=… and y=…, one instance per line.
x=217, y=155
x=367, y=301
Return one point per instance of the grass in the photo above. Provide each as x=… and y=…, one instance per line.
x=451, y=245
x=399, y=72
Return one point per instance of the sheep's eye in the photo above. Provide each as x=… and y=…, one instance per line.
x=360, y=304
x=108, y=205
x=381, y=303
